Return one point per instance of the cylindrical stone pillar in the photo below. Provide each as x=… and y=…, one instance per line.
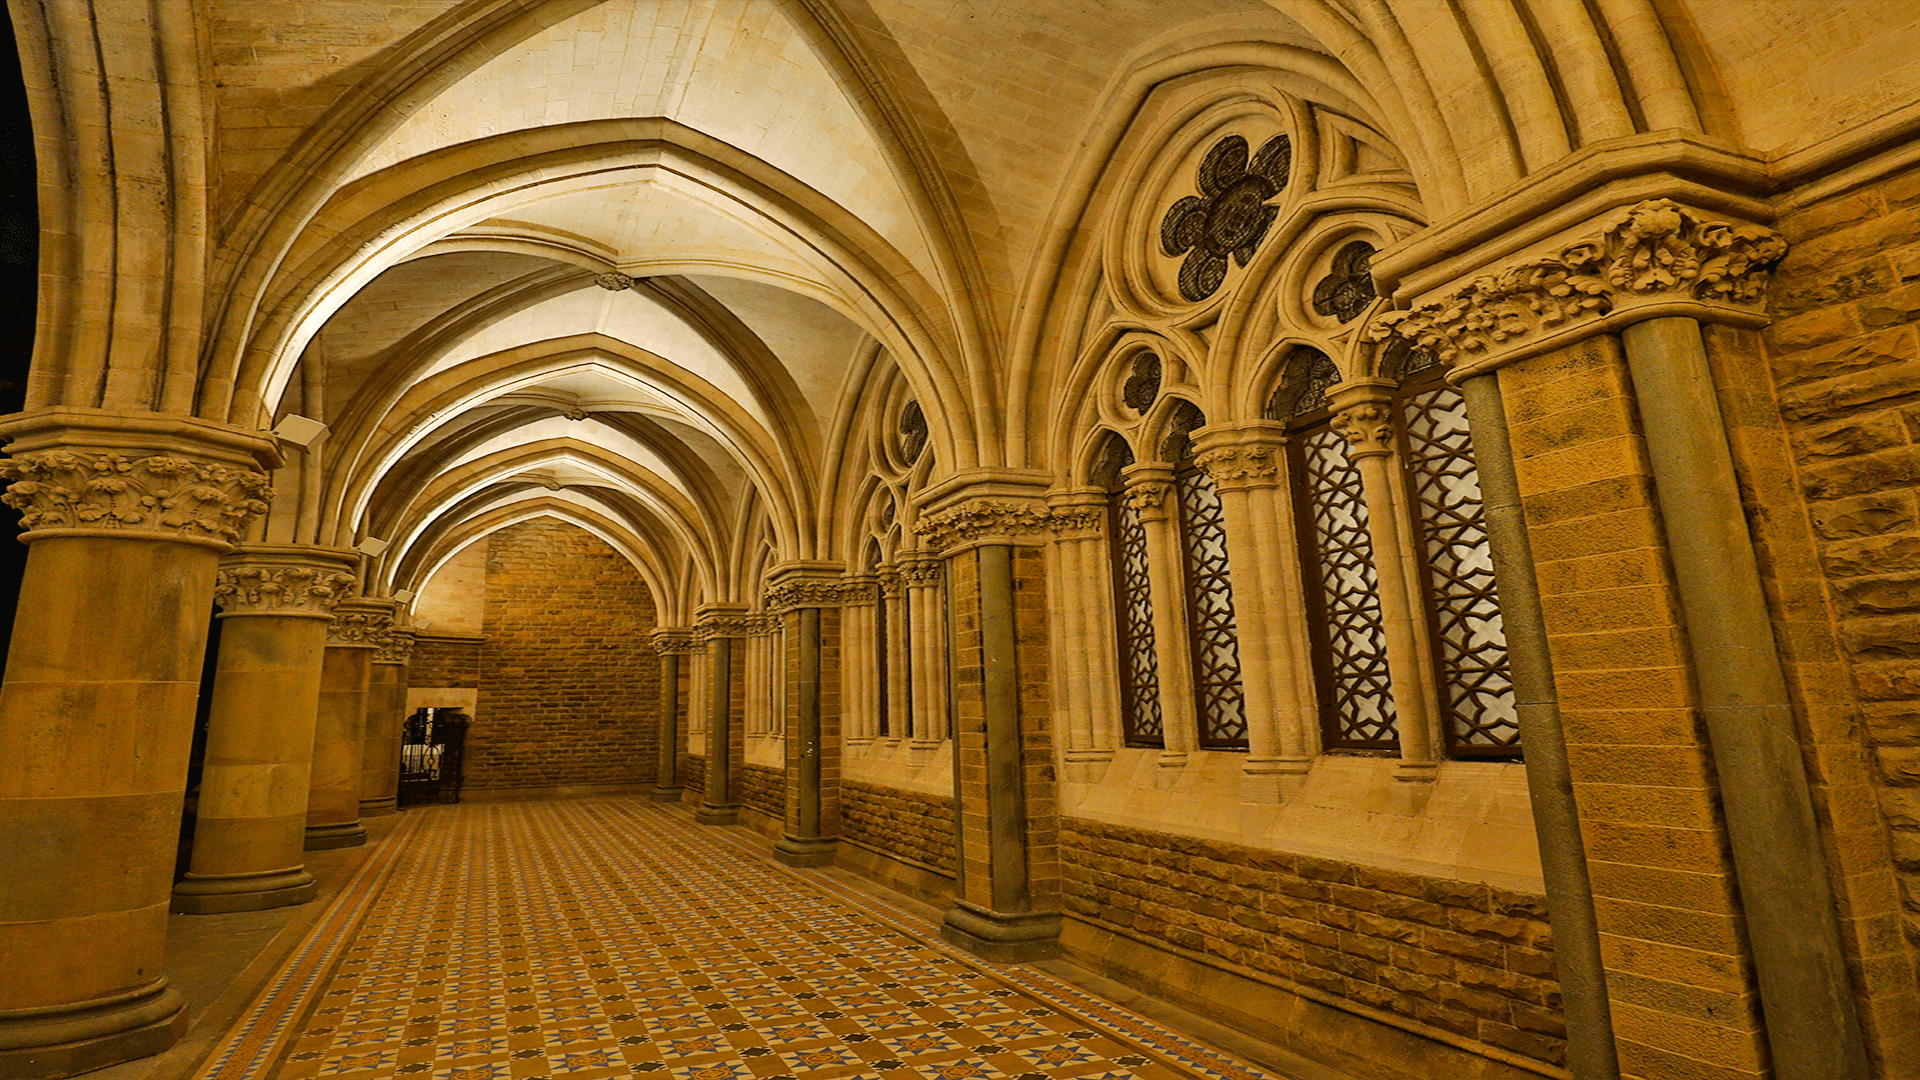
x=386, y=713
x=126, y=520
x=339, y=735
x=671, y=645
x=726, y=744
x=249, y=832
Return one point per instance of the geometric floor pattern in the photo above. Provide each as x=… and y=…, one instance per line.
x=613, y=938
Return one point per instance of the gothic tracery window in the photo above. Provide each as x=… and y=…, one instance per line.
x=1213, y=638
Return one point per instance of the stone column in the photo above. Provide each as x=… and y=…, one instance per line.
x=927, y=643
x=724, y=629
x=811, y=671
x=1007, y=894
x=1245, y=462
x=859, y=686
x=126, y=520
x=671, y=645
x=386, y=713
x=340, y=728
x=897, y=684
x=275, y=603
x=1150, y=493
x=1363, y=415
x=1086, y=663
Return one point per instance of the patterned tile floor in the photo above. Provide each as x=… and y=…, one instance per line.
x=615, y=938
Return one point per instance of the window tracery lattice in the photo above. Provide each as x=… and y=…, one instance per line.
x=1139, y=668
x=1230, y=216
x=1310, y=373
x=1215, y=640
x=1470, y=639
x=1356, y=692
x=1348, y=287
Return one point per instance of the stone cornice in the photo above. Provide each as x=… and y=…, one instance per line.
x=288, y=581
x=1651, y=259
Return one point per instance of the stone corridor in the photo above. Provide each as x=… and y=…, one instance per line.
x=613, y=937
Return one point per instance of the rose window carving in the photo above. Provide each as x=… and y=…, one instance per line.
x=1230, y=216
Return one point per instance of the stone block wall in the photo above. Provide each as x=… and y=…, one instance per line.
x=909, y=825
x=1468, y=959
x=1843, y=354
x=765, y=790
x=444, y=662
x=569, y=687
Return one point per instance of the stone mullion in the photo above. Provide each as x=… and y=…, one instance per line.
x=386, y=712
x=250, y=824
x=856, y=666
x=1245, y=464
x=899, y=686
x=1085, y=654
x=929, y=653
x=1364, y=416
x=1150, y=492
x=672, y=646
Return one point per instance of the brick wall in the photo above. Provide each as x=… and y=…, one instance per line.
x=765, y=790
x=1469, y=959
x=907, y=825
x=693, y=773
x=1844, y=352
x=441, y=662
x=569, y=690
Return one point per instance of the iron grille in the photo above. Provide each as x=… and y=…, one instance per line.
x=1215, y=641
x=1350, y=644
x=1464, y=604
x=1139, y=670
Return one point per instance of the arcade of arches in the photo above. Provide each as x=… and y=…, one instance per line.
x=1389, y=524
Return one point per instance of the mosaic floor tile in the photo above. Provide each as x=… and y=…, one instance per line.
x=612, y=938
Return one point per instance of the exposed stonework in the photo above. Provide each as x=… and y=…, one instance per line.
x=765, y=790
x=907, y=825
x=569, y=684
x=444, y=662
x=1467, y=959
x=693, y=773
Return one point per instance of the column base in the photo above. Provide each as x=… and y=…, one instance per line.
x=386, y=804
x=67, y=1042
x=669, y=793
x=709, y=814
x=196, y=895
x=1007, y=937
x=817, y=851
x=328, y=837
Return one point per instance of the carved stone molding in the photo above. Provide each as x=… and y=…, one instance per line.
x=395, y=646
x=891, y=586
x=1367, y=427
x=999, y=518
x=361, y=621
x=726, y=626
x=266, y=585
x=614, y=281
x=1152, y=500
x=920, y=573
x=113, y=492
x=675, y=642
x=816, y=592
x=1231, y=466
x=1653, y=255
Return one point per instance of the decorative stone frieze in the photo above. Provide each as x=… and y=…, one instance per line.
x=1655, y=254
x=1001, y=518
x=114, y=492
x=279, y=589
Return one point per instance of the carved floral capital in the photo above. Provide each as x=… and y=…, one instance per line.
x=816, y=592
x=1651, y=254
x=1152, y=500
x=394, y=646
x=360, y=626
x=726, y=626
x=1367, y=427
x=920, y=573
x=255, y=588
x=1232, y=466
x=116, y=492
x=675, y=643
x=983, y=518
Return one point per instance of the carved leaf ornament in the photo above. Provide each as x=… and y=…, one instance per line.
x=1230, y=216
x=65, y=489
x=1656, y=248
